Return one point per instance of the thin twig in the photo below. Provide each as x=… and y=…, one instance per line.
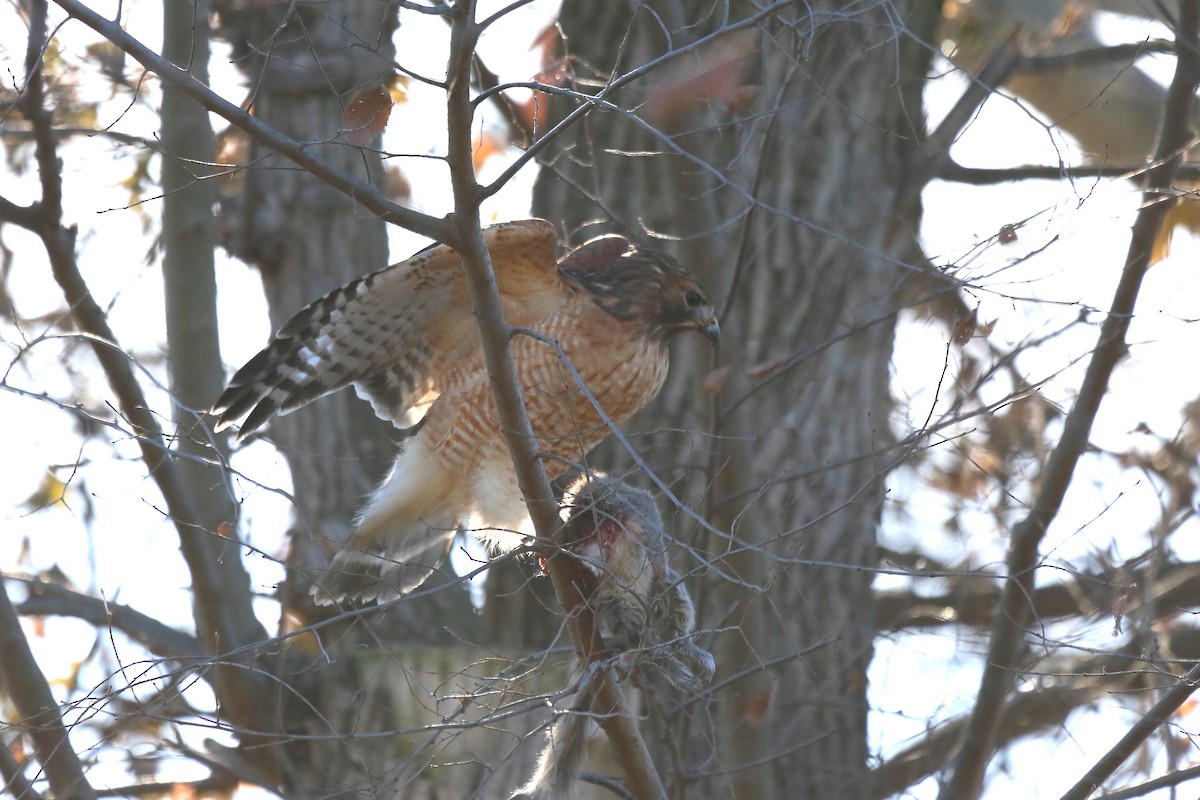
x=1162, y=710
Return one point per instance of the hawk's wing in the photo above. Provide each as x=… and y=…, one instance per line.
x=394, y=333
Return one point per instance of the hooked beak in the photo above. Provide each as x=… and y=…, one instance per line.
x=712, y=329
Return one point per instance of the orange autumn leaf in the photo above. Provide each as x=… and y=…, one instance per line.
x=17, y=748
x=1183, y=214
x=485, y=146
x=367, y=114
x=398, y=91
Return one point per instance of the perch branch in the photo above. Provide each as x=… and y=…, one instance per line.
x=495, y=332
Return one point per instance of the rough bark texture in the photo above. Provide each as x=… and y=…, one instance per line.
x=819, y=260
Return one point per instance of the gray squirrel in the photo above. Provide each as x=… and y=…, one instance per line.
x=641, y=609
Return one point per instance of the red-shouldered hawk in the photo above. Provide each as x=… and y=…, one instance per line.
x=406, y=338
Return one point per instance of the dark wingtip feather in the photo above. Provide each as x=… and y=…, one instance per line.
x=249, y=391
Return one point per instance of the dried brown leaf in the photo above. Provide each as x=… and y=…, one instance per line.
x=964, y=329
x=714, y=75
x=741, y=99
x=396, y=185
x=367, y=115
x=1118, y=611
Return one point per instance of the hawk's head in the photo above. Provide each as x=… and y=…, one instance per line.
x=650, y=287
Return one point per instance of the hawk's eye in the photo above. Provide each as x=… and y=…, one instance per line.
x=693, y=299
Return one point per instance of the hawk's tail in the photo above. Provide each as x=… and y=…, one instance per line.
x=375, y=568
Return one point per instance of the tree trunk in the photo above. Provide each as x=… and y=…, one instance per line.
x=196, y=374
x=813, y=270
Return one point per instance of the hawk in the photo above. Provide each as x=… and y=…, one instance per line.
x=406, y=339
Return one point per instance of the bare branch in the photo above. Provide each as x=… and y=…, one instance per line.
x=369, y=196
x=221, y=626
x=980, y=176
x=27, y=689
x=937, y=145
x=1077, y=682
x=51, y=599
x=1111, y=54
x=1087, y=595
x=1165, y=782
x=1003, y=657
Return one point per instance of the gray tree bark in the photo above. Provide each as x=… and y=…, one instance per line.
x=794, y=212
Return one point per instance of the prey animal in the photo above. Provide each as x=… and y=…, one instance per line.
x=640, y=606
x=406, y=339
